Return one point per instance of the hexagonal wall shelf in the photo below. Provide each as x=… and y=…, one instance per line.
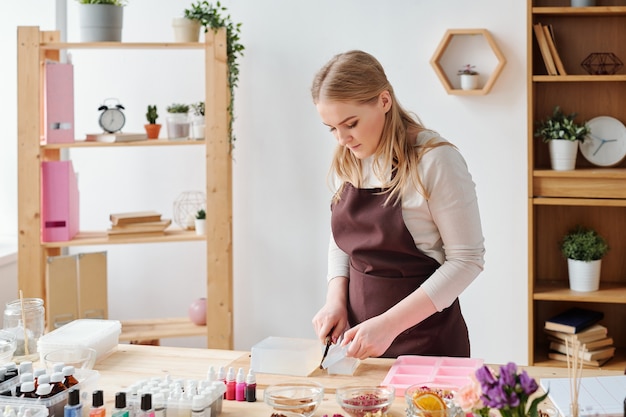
x=454, y=51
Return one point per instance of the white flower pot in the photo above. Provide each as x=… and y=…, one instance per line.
x=200, y=226
x=186, y=30
x=100, y=22
x=563, y=154
x=197, y=127
x=469, y=82
x=584, y=276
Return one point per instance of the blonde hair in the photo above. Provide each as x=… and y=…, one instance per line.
x=356, y=76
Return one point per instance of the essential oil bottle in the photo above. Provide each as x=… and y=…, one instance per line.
x=73, y=408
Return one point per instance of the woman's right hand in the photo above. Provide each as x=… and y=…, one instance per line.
x=332, y=319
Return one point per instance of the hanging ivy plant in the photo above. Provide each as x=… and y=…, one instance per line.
x=215, y=17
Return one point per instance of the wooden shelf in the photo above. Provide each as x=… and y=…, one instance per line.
x=618, y=362
x=102, y=238
x=35, y=46
x=151, y=329
x=149, y=142
x=590, y=196
x=551, y=291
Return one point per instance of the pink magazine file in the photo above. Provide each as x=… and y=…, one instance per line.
x=59, y=199
x=58, y=103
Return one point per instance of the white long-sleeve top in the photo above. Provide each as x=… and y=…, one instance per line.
x=446, y=227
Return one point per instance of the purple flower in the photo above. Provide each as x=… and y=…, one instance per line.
x=529, y=385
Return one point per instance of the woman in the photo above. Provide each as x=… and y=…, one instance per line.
x=406, y=237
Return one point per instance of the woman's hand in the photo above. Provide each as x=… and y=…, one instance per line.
x=332, y=319
x=369, y=339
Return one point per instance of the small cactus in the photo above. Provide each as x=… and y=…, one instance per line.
x=152, y=114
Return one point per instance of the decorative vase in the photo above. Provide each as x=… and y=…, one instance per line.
x=100, y=22
x=186, y=30
x=200, y=226
x=563, y=154
x=583, y=3
x=584, y=276
x=469, y=81
x=152, y=130
x=197, y=312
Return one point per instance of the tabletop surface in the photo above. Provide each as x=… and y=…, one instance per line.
x=129, y=364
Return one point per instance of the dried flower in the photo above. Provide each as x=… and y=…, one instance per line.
x=468, y=70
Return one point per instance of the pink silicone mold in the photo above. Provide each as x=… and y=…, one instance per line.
x=433, y=371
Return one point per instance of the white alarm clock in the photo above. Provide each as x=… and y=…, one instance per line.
x=112, y=118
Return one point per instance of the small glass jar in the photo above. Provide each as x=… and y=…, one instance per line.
x=27, y=326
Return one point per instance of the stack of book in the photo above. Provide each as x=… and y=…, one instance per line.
x=579, y=325
x=137, y=224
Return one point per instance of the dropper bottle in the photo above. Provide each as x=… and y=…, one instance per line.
x=250, y=386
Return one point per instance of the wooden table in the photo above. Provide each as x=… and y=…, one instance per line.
x=131, y=363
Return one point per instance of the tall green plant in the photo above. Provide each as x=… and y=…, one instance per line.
x=215, y=17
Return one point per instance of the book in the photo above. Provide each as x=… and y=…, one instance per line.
x=588, y=355
x=115, y=137
x=559, y=356
x=586, y=346
x=548, y=31
x=591, y=333
x=574, y=320
x=134, y=217
x=135, y=234
x=544, y=49
x=158, y=226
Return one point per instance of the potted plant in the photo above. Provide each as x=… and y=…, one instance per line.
x=200, y=221
x=215, y=17
x=177, y=121
x=562, y=135
x=584, y=249
x=152, y=128
x=186, y=28
x=469, y=77
x=197, y=120
x=101, y=20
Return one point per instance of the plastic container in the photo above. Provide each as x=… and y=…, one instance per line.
x=100, y=335
x=23, y=411
x=7, y=346
x=286, y=356
x=87, y=383
x=26, y=325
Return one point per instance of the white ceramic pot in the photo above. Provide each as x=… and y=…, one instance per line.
x=584, y=276
x=197, y=127
x=200, y=226
x=563, y=154
x=100, y=22
x=186, y=30
x=469, y=82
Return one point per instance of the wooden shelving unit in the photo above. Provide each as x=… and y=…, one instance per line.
x=35, y=46
x=589, y=195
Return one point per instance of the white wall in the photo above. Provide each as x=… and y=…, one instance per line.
x=281, y=202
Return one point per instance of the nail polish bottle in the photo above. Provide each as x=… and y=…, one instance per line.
x=97, y=404
x=73, y=408
x=240, y=386
x=250, y=387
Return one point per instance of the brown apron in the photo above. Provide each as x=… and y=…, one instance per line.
x=385, y=267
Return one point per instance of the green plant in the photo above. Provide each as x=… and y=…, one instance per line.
x=201, y=214
x=113, y=2
x=561, y=126
x=467, y=70
x=198, y=108
x=583, y=244
x=178, y=108
x=216, y=17
x=152, y=114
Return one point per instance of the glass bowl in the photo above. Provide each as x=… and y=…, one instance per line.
x=79, y=357
x=295, y=397
x=7, y=346
x=452, y=410
x=358, y=400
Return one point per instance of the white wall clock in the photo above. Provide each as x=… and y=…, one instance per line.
x=605, y=144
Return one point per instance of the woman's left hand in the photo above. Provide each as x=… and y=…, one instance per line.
x=369, y=339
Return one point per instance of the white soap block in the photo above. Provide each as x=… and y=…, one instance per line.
x=286, y=356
